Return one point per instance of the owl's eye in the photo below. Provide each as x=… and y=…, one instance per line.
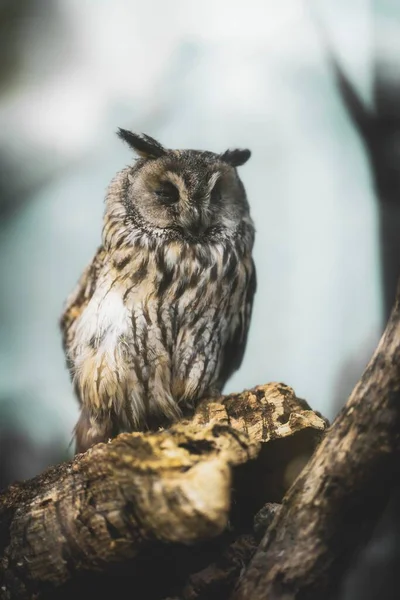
x=215, y=195
x=167, y=193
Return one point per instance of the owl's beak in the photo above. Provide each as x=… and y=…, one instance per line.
x=196, y=229
x=194, y=223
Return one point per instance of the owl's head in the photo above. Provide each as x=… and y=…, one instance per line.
x=189, y=193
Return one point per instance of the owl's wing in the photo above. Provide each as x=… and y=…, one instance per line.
x=80, y=298
x=236, y=345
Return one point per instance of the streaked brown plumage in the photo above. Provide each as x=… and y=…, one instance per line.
x=160, y=318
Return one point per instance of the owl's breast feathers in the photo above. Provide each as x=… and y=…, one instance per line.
x=157, y=323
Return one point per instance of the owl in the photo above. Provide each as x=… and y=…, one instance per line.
x=160, y=317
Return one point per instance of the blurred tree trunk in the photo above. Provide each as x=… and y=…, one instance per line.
x=379, y=129
x=384, y=151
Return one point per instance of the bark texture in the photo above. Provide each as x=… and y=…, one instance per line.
x=176, y=501
x=337, y=499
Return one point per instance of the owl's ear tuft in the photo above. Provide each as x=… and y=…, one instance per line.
x=144, y=145
x=236, y=158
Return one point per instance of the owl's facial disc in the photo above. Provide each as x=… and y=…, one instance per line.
x=189, y=198
x=181, y=202
x=189, y=217
x=187, y=192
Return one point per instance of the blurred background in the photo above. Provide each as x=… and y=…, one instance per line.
x=312, y=88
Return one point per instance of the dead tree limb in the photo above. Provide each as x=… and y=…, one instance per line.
x=151, y=495
x=335, y=502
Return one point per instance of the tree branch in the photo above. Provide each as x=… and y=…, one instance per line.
x=333, y=505
x=147, y=495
